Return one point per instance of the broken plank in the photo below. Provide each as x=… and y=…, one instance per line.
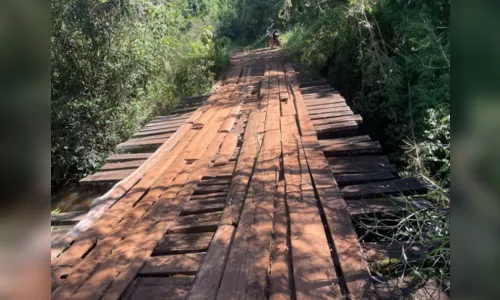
x=187, y=263
x=227, y=149
x=404, y=186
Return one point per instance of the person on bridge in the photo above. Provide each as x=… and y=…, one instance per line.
x=273, y=34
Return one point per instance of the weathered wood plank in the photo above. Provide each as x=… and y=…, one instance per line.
x=404, y=186
x=132, y=164
x=245, y=275
x=360, y=164
x=159, y=221
x=183, y=242
x=197, y=223
x=199, y=207
x=238, y=188
x=67, y=218
x=372, y=206
x=344, y=112
x=350, y=149
x=158, y=288
x=187, y=263
x=279, y=281
x=108, y=176
x=356, y=118
x=354, y=267
x=116, y=158
x=359, y=178
x=313, y=268
x=336, y=127
x=209, y=276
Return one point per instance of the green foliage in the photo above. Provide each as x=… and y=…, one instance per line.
x=116, y=64
x=391, y=61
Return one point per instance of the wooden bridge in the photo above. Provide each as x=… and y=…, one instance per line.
x=250, y=197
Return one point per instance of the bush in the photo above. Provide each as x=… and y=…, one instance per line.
x=390, y=60
x=116, y=64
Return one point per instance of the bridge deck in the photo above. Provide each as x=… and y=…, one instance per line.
x=241, y=202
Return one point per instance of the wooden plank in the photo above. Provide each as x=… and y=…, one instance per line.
x=311, y=258
x=136, y=145
x=148, y=171
x=372, y=147
x=184, y=242
x=131, y=164
x=339, y=110
x=116, y=158
x=230, y=143
x=327, y=107
x=199, y=207
x=310, y=89
x=209, y=276
x=211, y=271
x=359, y=178
x=315, y=99
x=207, y=189
x=245, y=275
x=341, y=113
x=355, y=270
x=279, y=281
x=208, y=196
x=316, y=82
x=238, y=188
x=67, y=218
x=187, y=264
x=287, y=106
x=404, y=186
x=107, y=177
x=346, y=140
x=356, y=118
x=197, y=223
x=124, y=262
x=108, y=267
x=239, y=96
x=372, y=206
x=150, y=133
x=215, y=181
x=336, y=127
x=360, y=164
x=157, y=288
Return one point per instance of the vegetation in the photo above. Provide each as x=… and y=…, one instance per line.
x=115, y=64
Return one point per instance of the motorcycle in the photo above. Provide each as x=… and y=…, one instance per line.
x=274, y=41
